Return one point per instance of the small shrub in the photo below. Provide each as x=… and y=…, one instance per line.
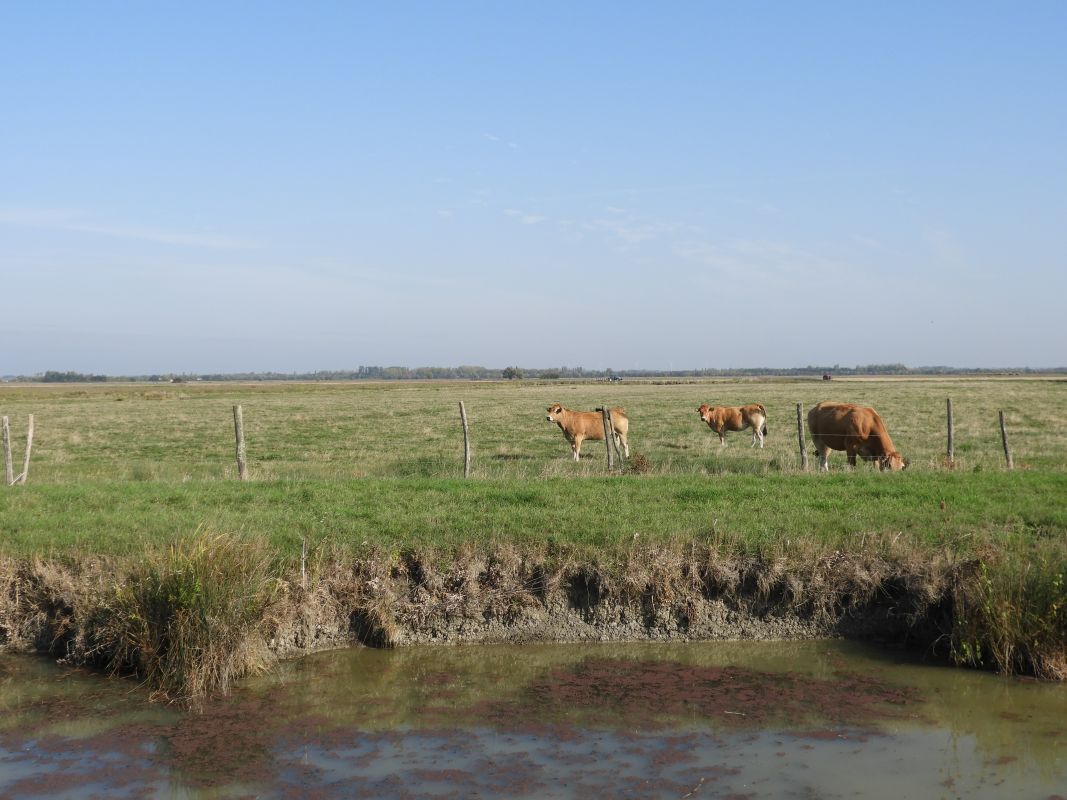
x=637, y=464
x=1012, y=615
x=187, y=620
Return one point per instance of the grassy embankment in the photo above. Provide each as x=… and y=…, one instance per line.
x=140, y=554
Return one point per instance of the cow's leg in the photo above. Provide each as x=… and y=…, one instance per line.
x=851, y=454
x=824, y=457
x=576, y=445
x=621, y=439
x=722, y=437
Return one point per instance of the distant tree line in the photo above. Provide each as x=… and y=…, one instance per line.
x=476, y=373
x=70, y=377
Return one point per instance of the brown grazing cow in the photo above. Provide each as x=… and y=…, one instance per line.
x=858, y=430
x=578, y=426
x=736, y=418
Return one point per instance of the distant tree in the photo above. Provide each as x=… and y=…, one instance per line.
x=511, y=373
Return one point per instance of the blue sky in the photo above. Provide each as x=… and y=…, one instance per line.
x=228, y=187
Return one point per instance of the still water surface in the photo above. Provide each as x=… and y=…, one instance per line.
x=737, y=719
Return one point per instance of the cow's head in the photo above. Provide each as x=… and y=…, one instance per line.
x=892, y=461
x=704, y=411
x=554, y=411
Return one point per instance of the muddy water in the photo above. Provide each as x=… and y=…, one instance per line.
x=752, y=720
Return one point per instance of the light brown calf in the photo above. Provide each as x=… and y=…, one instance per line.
x=578, y=426
x=858, y=430
x=736, y=418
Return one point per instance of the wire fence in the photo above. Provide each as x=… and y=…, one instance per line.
x=491, y=440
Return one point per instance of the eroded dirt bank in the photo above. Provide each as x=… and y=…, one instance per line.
x=192, y=620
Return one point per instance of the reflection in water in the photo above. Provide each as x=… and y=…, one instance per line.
x=749, y=719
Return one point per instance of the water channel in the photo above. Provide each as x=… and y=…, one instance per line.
x=824, y=719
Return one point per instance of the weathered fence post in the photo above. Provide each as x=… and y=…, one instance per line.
x=800, y=437
x=1004, y=439
x=26, y=459
x=950, y=454
x=466, y=441
x=9, y=469
x=607, y=434
x=239, y=432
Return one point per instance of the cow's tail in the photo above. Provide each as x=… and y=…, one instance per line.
x=764, y=426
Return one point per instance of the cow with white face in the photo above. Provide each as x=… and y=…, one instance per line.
x=577, y=426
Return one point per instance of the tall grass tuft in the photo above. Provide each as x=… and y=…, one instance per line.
x=1013, y=615
x=188, y=620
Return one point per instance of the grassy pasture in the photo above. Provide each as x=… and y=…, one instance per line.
x=180, y=432
x=592, y=517
x=127, y=480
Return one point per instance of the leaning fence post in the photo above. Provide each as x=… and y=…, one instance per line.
x=239, y=432
x=950, y=454
x=9, y=469
x=1004, y=439
x=800, y=437
x=466, y=441
x=26, y=459
x=607, y=434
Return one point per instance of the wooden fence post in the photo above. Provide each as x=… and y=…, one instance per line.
x=607, y=434
x=1004, y=439
x=800, y=437
x=239, y=432
x=9, y=469
x=950, y=454
x=26, y=459
x=466, y=441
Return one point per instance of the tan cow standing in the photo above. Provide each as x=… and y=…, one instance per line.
x=578, y=426
x=736, y=418
x=858, y=430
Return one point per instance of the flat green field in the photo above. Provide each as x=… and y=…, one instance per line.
x=180, y=432
x=115, y=466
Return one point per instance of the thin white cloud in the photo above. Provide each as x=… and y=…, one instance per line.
x=492, y=138
x=524, y=217
x=75, y=222
x=759, y=260
x=633, y=230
